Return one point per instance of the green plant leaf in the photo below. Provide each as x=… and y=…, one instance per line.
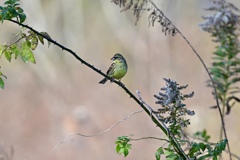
x=34, y=43
x=19, y=10
x=15, y=50
x=40, y=39
x=22, y=17
x=26, y=53
x=7, y=54
x=126, y=152
x=158, y=153
x=121, y=151
x=202, y=146
x=118, y=148
x=172, y=156
x=128, y=146
x=1, y=83
x=47, y=35
x=222, y=144
x=234, y=80
x=1, y=50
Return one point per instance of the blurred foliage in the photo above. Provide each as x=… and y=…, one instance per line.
x=203, y=135
x=172, y=114
x=223, y=26
x=12, y=10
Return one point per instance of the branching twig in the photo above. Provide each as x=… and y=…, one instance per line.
x=156, y=138
x=97, y=134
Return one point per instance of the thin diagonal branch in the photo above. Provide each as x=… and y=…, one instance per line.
x=95, y=69
x=97, y=134
x=156, y=138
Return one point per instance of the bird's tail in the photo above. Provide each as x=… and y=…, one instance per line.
x=103, y=81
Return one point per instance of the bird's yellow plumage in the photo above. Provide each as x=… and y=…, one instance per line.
x=118, y=69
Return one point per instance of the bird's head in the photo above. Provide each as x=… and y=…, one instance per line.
x=117, y=56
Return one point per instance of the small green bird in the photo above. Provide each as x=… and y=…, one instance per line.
x=118, y=68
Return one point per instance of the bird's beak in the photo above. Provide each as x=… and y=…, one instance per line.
x=112, y=58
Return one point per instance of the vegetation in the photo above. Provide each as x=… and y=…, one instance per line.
x=171, y=116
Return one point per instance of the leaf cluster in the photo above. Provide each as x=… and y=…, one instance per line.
x=24, y=49
x=24, y=46
x=12, y=10
x=202, y=151
x=122, y=145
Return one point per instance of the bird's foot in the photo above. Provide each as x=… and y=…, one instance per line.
x=111, y=80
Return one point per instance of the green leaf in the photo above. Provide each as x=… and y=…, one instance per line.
x=118, y=148
x=1, y=50
x=26, y=53
x=126, y=152
x=47, y=35
x=220, y=52
x=219, y=64
x=222, y=144
x=22, y=17
x=121, y=151
x=214, y=157
x=8, y=3
x=169, y=150
x=7, y=54
x=158, y=153
x=202, y=146
x=171, y=156
x=234, y=80
x=14, y=50
x=34, y=43
x=1, y=83
x=128, y=146
x=40, y=39
x=20, y=10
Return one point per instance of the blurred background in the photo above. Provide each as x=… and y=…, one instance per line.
x=41, y=104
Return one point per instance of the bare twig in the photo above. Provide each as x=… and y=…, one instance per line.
x=97, y=134
x=156, y=138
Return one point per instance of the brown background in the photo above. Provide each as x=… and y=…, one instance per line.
x=43, y=103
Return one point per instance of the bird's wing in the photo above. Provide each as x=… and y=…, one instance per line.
x=111, y=69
